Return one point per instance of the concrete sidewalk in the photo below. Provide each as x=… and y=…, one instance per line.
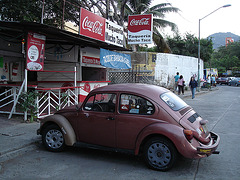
x=188, y=93
x=18, y=137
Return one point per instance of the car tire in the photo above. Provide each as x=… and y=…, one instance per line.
x=53, y=139
x=159, y=154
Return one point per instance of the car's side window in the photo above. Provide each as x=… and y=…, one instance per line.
x=102, y=102
x=132, y=104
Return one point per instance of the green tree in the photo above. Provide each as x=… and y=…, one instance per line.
x=226, y=58
x=57, y=10
x=31, y=10
x=188, y=46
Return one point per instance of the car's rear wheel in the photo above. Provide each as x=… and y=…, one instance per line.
x=160, y=154
x=53, y=139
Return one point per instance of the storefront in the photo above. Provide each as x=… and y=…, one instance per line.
x=70, y=60
x=63, y=52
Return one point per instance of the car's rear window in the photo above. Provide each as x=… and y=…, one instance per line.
x=173, y=101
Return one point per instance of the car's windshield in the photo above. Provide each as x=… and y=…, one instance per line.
x=173, y=101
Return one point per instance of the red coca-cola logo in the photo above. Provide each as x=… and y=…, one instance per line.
x=95, y=27
x=138, y=23
x=92, y=25
x=143, y=21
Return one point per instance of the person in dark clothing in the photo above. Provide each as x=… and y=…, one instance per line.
x=193, y=85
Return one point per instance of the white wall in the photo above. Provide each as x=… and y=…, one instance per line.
x=167, y=65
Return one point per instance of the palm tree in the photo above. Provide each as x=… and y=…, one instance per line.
x=123, y=8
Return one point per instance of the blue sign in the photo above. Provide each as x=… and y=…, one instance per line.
x=115, y=60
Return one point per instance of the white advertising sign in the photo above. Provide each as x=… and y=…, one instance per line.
x=113, y=33
x=140, y=29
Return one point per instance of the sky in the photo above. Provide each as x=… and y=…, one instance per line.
x=223, y=20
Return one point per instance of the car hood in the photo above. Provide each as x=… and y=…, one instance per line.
x=69, y=109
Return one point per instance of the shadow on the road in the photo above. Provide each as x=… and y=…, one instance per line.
x=181, y=165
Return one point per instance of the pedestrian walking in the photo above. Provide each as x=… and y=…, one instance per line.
x=181, y=85
x=209, y=82
x=214, y=81
x=176, y=77
x=193, y=85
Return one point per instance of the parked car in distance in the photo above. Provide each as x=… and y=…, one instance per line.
x=142, y=119
x=222, y=80
x=234, y=82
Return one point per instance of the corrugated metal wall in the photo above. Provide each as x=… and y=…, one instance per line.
x=57, y=76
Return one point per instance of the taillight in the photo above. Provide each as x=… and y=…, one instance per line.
x=188, y=134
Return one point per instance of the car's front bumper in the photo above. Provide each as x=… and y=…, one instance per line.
x=38, y=132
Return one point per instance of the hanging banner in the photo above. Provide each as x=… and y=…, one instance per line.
x=91, y=25
x=35, y=51
x=140, y=29
x=115, y=60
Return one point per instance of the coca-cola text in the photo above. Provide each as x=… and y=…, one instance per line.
x=143, y=21
x=95, y=27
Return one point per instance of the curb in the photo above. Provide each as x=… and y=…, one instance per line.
x=202, y=91
x=6, y=156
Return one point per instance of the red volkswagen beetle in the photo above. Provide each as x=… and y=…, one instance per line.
x=142, y=119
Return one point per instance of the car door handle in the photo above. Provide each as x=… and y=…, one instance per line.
x=110, y=118
x=86, y=114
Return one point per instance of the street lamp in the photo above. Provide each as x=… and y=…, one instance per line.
x=227, y=5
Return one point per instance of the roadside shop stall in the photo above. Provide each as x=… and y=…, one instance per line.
x=45, y=58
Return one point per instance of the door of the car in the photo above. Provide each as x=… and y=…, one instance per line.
x=96, y=123
x=135, y=113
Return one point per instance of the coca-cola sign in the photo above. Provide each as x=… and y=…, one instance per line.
x=91, y=25
x=140, y=22
x=140, y=29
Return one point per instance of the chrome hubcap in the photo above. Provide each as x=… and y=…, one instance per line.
x=54, y=138
x=159, y=154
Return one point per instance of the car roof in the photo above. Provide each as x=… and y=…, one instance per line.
x=148, y=90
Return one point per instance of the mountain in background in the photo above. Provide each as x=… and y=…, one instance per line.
x=219, y=39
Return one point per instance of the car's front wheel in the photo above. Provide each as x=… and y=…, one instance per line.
x=52, y=138
x=160, y=154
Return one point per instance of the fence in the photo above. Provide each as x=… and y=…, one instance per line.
x=134, y=76
x=51, y=100
x=48, y=100
x=8, y=96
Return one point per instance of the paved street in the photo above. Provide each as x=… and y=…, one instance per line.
x=220, y=107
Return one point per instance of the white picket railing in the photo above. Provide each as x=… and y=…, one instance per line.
x=51, y=100
x=7, y=98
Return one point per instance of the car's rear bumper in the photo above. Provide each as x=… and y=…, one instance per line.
x=208, y=150
x=196, y=150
